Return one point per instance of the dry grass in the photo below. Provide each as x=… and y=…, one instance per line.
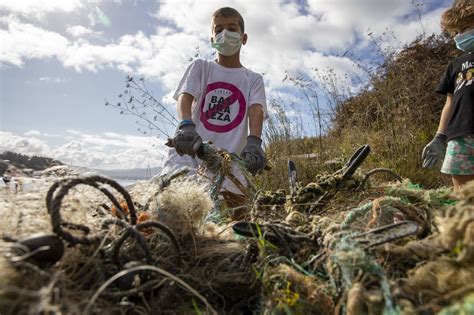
x=397, y=113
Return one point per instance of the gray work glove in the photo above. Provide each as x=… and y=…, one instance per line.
x=253, y=155
x=187, y=140
x=434, y=151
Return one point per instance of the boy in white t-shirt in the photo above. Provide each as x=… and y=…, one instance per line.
x=223, y=102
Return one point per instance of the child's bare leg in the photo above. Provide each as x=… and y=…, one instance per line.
x=460, y=180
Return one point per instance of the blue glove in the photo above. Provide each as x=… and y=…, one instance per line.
x=186, y=139
x=253, y=155
x=434, y=151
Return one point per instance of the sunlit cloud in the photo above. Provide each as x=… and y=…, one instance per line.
x=104, y=151
x=22, y=41
x=38, y=8
x=78, y=31
x=36, y=133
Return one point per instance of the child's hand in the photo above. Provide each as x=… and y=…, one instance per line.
x=253, y=155
x=434, y=151
x=187, y=140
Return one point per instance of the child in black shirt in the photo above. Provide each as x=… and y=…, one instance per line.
x=456, y=126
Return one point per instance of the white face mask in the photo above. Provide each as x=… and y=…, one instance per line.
x=227, y=43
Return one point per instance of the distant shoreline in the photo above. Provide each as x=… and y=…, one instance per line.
x=124, y=182
x=127, y=182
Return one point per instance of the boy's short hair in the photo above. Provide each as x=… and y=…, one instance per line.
x=459, y=15
x=228, y=12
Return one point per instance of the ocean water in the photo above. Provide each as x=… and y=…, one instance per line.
x=126, y=182
x=122, y=182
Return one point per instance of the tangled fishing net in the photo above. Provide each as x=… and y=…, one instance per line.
x=118, y=258
x=335, y=246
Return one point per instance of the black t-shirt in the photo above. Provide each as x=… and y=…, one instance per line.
x=458, y=80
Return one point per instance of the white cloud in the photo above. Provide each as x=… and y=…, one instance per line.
x=36, y=133
x=111, y=139
x=37, y=8
x=169, y=58
x=25, y=41
x=107, y=150
x=53, y=79
x=130, y=50
x=78, y=31
x=111, y=150
x=25, y=145
x=73, y=131
x=97, y=16
x=405, y=32
x=32, y=133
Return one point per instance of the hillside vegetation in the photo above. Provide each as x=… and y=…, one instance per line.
x=21, y=161
x=396, y=113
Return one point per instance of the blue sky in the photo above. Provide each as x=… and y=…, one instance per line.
x=61, y=58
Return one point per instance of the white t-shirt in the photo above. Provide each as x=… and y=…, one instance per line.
x=222, y=97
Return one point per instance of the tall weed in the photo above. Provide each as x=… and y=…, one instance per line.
x=396, y=113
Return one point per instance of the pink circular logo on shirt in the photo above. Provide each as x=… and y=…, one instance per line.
x=223, y=107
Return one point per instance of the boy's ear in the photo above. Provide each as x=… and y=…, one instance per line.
x=212, y=40
x=244, y=39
